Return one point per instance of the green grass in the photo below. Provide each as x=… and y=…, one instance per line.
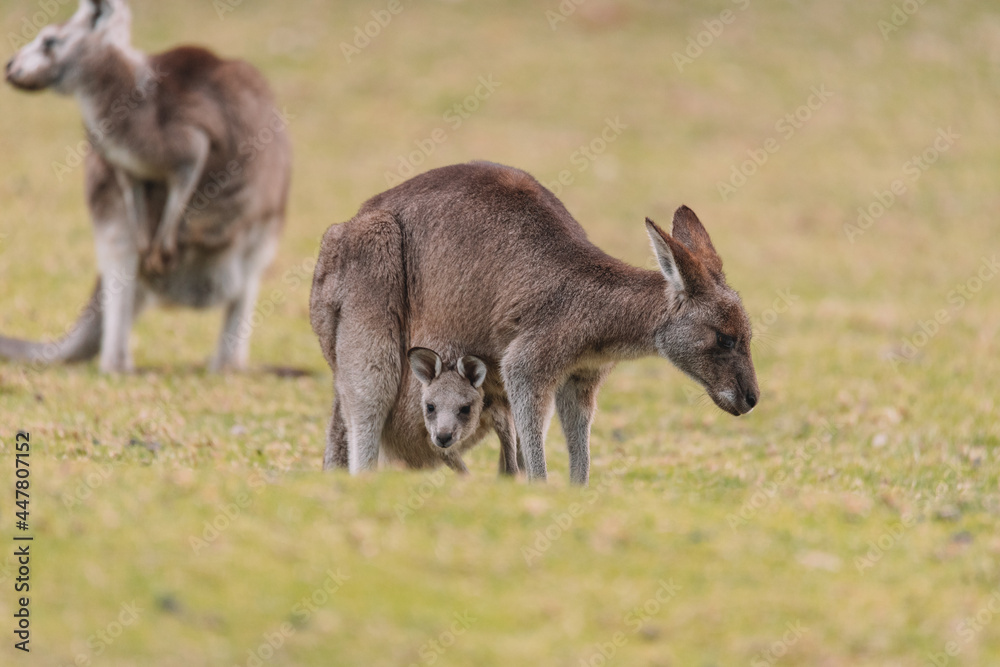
x=858, y=505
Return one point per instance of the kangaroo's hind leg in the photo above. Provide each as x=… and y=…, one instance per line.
x=369, y=371
x=369, y=331
x=233, y=349
x=335, y=455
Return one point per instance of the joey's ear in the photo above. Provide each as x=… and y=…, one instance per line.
x=689, y=231
x=684, y=273
x=472, y=369
x=425, y=363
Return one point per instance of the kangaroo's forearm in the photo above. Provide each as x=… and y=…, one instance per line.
x=181, y=186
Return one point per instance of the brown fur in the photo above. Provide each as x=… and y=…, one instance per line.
x=358, y=302
x=505, y=273
x=187, y=183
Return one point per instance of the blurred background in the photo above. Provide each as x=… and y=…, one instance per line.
x=843, y=156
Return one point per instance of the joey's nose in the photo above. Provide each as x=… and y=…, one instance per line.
x=7, y=68
x=751, y=397
x=444, y=439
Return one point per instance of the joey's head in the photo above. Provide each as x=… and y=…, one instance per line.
x=707, y=333
x=452, y=398
x=53, y=59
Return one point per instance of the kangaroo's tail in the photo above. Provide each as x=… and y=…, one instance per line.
x=81, y=343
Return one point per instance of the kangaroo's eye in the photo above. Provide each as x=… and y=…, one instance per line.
x=724, y=341
x=430, y=408
x=49, y=43
x=465, y=409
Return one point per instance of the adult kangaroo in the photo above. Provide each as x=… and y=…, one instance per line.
x=186, y=184
x=495, y=263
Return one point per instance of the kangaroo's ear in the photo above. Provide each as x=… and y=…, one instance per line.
x=100, y=11
x=425, y=363
x=111, y=15
x=472, y=369
x=689, y=231
x=684, y=273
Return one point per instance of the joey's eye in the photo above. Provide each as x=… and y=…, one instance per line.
x=465, y=409
x=430, y=408
x=724, y=341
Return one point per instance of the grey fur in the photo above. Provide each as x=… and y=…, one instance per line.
x=456, y=414
x=358, y=305
x=186, y=186
x=490, y=263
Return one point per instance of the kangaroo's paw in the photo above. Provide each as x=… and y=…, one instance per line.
x=159, y=259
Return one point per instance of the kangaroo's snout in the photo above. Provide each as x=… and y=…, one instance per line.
x=742, y=403
x=444, y=439
x=7, y=68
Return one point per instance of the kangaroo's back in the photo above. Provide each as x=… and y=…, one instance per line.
x=232, y=102
x=229, y=95
x=486, y=240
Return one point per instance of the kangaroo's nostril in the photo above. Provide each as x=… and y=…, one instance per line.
x=444, y=439
x=10, y=63
x=751, y=399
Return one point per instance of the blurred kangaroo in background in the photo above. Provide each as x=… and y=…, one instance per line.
x=495, y=264
x=187, y=182
x=436, y=407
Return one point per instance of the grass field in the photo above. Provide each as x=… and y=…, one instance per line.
x=853, y=519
